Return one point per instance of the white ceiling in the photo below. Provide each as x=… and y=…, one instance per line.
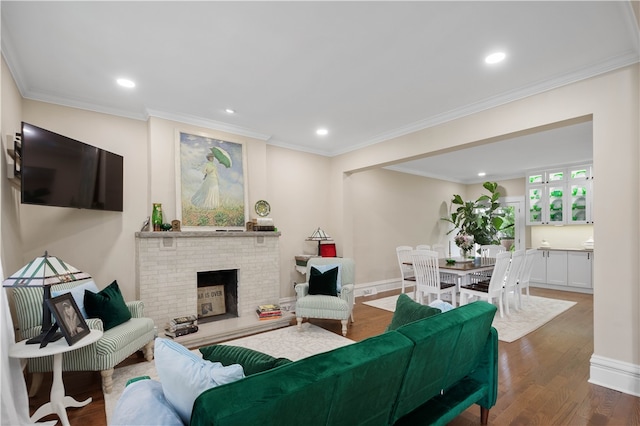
x=367, y=71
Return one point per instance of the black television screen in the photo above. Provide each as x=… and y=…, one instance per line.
x=60, y=171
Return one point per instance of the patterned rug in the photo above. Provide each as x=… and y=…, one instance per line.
x=285, y=342
x=536, y=312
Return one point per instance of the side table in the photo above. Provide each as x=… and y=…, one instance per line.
x=58, y=401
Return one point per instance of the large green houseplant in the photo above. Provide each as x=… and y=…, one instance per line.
x=480, y=219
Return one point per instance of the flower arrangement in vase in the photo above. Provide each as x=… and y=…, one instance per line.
x=465, y=243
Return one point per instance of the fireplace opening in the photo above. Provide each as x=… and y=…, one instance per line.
x=217, y=295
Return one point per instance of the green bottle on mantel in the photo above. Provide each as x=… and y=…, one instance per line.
x=156, y=217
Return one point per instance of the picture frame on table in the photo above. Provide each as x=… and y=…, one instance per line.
x=68, y=317
x=211, y=186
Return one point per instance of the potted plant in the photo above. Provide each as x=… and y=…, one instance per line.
x=480, y=219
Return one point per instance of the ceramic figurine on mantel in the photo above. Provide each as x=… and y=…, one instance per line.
x=156, y=217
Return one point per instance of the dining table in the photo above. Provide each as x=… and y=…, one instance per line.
x=467, y=268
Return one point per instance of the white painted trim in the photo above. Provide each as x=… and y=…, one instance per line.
x=613, y=374
x=377, y=286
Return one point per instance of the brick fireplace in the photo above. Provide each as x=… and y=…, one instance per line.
x=167, y=267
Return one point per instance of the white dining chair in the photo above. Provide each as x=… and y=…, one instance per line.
x=423, y=247
x=525, y=274
x=491, y=291
x=407, y=275
x=511, y=281
x=427, y=273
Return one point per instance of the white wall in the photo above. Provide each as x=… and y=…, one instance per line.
x=97, y=242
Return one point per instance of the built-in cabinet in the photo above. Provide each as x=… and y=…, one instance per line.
x=569, y=270
x=560, y=196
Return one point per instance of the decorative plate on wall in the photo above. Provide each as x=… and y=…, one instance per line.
x=262, y=208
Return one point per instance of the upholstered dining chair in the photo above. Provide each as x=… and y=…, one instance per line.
x=407, y=277
x=427, y=272
x=116, y=344
x=492, y=290
x=327, y=305
x=525, y=274
x=511, y=280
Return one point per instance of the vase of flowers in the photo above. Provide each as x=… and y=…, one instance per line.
x=465, y=243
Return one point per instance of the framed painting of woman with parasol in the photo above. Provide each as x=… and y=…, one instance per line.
x=211, y=189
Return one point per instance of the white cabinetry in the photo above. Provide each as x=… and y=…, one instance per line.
x=580, y=269
x=563, y=270
x=560, y=196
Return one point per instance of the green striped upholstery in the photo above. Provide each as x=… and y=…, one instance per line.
x=328, y=307
x=115, y=345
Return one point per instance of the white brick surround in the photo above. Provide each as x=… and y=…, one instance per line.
x=167, y=264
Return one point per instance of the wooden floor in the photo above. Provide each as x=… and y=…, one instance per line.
x=542, y=376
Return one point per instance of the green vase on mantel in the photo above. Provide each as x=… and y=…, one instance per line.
x=156, y=217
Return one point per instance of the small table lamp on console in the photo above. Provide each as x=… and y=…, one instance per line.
x=45, y=272
x=319, y=235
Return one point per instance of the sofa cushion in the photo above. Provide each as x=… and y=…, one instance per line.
x=78, y=294
x=108, y=305
x=143, y=403
x=184, y=375
x=323, y=282
x=408, y=310
x=251, y=361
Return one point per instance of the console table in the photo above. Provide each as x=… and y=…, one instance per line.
x=58, y=402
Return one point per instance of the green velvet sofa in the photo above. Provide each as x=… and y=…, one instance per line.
x=423, y=373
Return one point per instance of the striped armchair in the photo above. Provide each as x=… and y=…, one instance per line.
x=113, y=347
x=328, y=307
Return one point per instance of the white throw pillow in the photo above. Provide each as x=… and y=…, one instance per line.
x=442, y=305
x=325, y=268
x=144, y=403
x=184, y=375
x=77, y=293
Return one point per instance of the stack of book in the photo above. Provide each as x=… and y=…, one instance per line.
x=181, y=326
x=267, y=312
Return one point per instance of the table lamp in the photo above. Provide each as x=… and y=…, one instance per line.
x=44, y=272
x=319, y=235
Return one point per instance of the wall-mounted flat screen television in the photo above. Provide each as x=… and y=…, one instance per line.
x=60, y=171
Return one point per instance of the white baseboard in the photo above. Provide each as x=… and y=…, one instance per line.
x=375, y=287
x=613, y=374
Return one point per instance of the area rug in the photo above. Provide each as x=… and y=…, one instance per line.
x=536, y=312
x=285, y=342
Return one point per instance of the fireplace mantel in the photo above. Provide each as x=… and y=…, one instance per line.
x=167, y=264
x=202, y=234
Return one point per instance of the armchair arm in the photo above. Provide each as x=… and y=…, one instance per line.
x=95, y=324
x=302, y=289
x=136, y=307
x=347, y=293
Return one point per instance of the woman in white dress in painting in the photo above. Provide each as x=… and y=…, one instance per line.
x=208, y=195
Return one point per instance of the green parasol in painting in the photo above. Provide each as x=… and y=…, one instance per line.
x=222, y=156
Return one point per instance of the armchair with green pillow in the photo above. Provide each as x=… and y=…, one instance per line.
x=125, y=328
x=329, y=292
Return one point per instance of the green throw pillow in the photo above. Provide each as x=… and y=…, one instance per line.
x=251, y=361
x=408, y=310
x=108, y=305
x=324, y=282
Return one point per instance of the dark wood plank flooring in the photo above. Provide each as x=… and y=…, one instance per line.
x=542, y=377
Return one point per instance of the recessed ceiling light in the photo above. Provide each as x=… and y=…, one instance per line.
x=482, y=174
x=230, y=111
x=322, y=132
x=494, y=58
x=126, y=83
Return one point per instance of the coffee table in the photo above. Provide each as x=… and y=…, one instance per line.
x=58, y=402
